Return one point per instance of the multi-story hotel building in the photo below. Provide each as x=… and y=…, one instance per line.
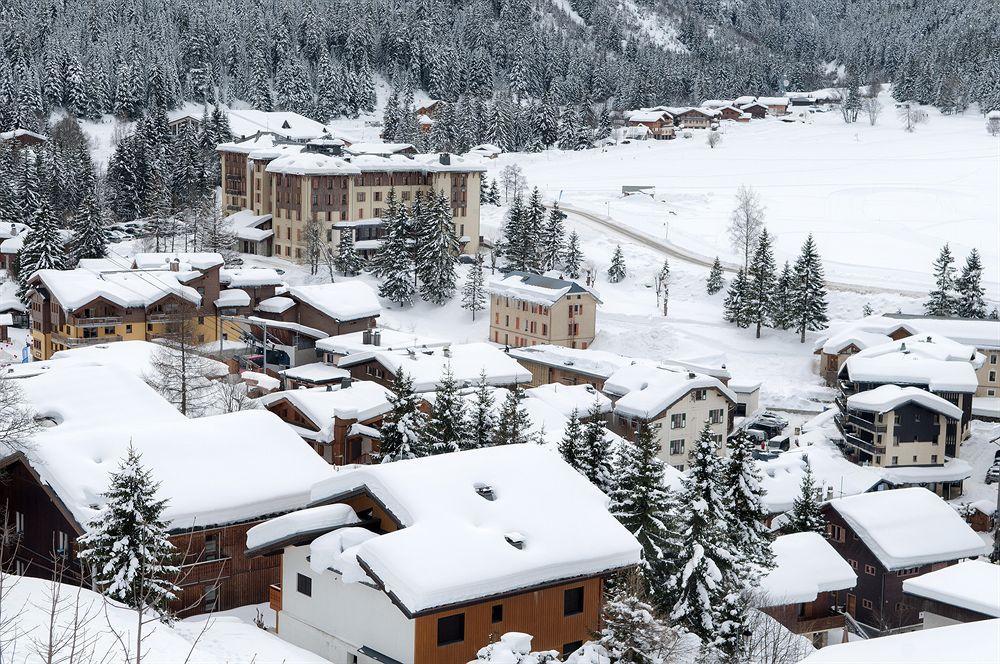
x=529, y=309
x=285, y=184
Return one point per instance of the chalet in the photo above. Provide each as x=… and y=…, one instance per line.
x=973, y=642
x=485, y=150
x=341, y=423
x=294, y=321
x=528, y=309
x=834, y=349
x=431, y=108
x=254, y=232
x=801, y=590
x=676, y=401
x=22, y=138
x=583, y=400
x=468, y=362
x=378, y=338
x=696, y=118
x=442, y=553
x=774, y=105
x=181, y=120
x=732, y=113
x=659, y=123
x=8, y=259
x=257, y=282
x=963, y=593
x=573, y=366
x=905, y=429
x=93, y=414
x=103, y=301
x=756, y=110
x=981, y=515
x=888, y=536
x=425, y=123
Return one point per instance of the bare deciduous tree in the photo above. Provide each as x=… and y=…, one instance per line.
x=232, y=395
x=872, y=108
x=714, y=138
x=911, y=115
x=993, y=123
x=513, y=181
x=181, y=374
x=746, y=222
x=314, y=244
x=767, y=641
x=17, y=420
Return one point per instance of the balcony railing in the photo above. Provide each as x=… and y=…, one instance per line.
x=79, y=342
x=97, y=321
x=867, y=425
x=856, y=442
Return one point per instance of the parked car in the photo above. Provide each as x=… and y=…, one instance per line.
x=993, y=474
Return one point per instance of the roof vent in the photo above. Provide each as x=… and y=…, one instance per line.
x=366, y=337
x=692, y=375
x=445, y=159
x=929, y=339
x=345, y=382
x=376, y=337
x=485, y=490
x=902, y=347
x=515, y=539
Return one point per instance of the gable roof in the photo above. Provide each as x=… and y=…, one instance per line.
x=342, y=301
x=363, y=400
x=130, y=289
x=805, y=565
x=889, y=397
x=537, y=288
x=971, y=584
x=388, y=339
x=911, y=369
x=453, y=547
x=649, y=390
x=909, y=527
x=602, y=363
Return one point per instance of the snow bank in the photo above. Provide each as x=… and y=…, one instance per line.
x=970, y=643
x=452, y=544
x=909, y=527
x=805, y=565
x=973, y=585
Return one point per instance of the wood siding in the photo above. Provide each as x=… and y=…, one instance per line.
x=539, y=613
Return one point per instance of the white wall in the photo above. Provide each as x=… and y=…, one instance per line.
x=932, y=620
x=339, y=617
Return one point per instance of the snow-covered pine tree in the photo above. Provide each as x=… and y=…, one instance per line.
x=392, y=262
x=513, y=422
x=782, y=303
x=760, y=287
x=633, y=632
x=553, y=239
x=734, y=306
x=662, y=286
x=437, y=251
x=348, y=261
x=942, y=300
x=569, y=128
x=616, y=271
x=570, y=442
x=808, y=291
x=494, y=193
x=573, y=256
x=970, y=289
x=402, y=427
x=867, y=310
x=474, y=290
x=594, y=450
x=515, y=252
x=805, y=515
x=126, y=548
x=445, y=429
x=90, y=235
x=747, y=531
x=643, y=504
x=42, y=249
x=532, y=232
x=481, y=423
x=703, y=574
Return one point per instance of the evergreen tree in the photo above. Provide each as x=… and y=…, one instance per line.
x=782, y=303
x=632, y=631
x=481, y=424
x=513, y=423
x=42, y=249
x=127, y=548
x=970, y=289
x=942, y=300
x=805, y=515
x=760, y=289
x=553, y=239
x=994, y=315
x=867, y=310
x=90, y=236
x=445, y=428
x=594, y=451
x=642, y=503
x=569, y=445
x=808, y=291
x=714, y=284
x=403, y=426
x=494, y=193
x=437, y=248
x=392, y=262
x=747, y=531
x=573, y=256
x=348, y=260
x=616, y=271
x=734, y=307
x=663, y=285
x=474, y=290
x=703, y=579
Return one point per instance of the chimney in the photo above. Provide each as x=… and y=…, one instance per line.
x=902, y=347
x=445, y=159
x=175, y=265
x=692, y=375
x=329, y=388
x=366, y=337
x=345, y=382
x=446, y=351
x=377, y=337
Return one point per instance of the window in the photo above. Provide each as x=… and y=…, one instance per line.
x=212, y=546
x=870, y=570
x=854, y=564
x=993, y=376
x=128, y=329
x=304, y=585
x=211, y=598
x=895, y=460
x=678, y=421
x=700, y=395
x=570, y=648
x=835, y=532
x=62, y=543
x=18, y=522
x=677, y=446
x=573, y=601
x=993, y=358
x=866, y=603
x=451, y=629
x=361, y=197
x=496, y=613
x=715, y=415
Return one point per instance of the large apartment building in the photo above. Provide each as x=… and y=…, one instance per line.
x=286, y=184
x=528, y=309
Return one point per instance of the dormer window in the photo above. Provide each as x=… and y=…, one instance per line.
x=485, y=491
x=516, y=540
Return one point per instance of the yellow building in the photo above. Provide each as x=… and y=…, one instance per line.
x=529, y=309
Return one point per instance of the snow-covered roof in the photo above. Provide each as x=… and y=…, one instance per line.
x=968, y=643
x=262, y=380
x=186, y=261
x=316, y=372
x=969, y=332
x=363, y=400
x=319, y=520
x=932, y=346
x=486, y=149
x=972, y=584
x=249, y=277
x=744, y=100
x=602, y=363
x=952, y=470
x=245, y=225
x=986, y=406
x=278, y=304
x=888, y=397
x=536, y=288
x=567, y=398
x=389, y=339
x=232, y=297
x=135, y=356
x=343, y=300
x=298, y=328
x=202, y=464
x=648, y=116
x=716, y=103
x=12, y=229
x=909, y=527
x=137, y=289
x=312, y=163
x=18, y=133
x=247, y=122
x=911, y=369
x=984, y=333
x=453, y=547
x=384, y=149
x=773, y=101
x=467, y=362
x=649, y=390
x=805, y=564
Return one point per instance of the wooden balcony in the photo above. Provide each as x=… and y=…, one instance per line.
x=96, y=321
x=820, y=624
x=274, y=597
x=79, y=342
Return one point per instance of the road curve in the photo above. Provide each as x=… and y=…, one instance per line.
x=694, y=258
